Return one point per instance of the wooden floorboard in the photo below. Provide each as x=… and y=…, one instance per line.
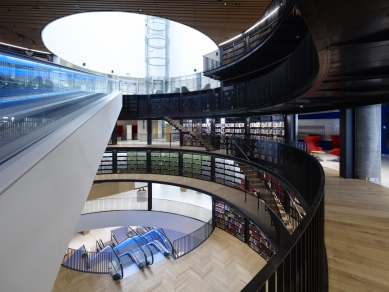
x=356, y=234
x=222, y=263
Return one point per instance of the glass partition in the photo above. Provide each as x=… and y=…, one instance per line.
x=38, y=97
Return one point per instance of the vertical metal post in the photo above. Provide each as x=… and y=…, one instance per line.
x=149, y=196
x=114, y=161
x=149, y=132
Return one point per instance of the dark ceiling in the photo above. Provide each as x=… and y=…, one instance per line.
x=352, y=38
x=211, y=17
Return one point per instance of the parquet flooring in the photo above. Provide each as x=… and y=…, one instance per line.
x=222, y=263
x=356, y=234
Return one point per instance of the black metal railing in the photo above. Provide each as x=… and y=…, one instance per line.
x=207, y=166
x=78, y=260
x=300, y=264
x=189, y=242
x=251, y=39
x=286, y=82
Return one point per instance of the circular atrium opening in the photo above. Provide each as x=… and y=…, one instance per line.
x=148, y=49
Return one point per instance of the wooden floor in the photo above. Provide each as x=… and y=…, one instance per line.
x=356, y=234
x=222, y=263
x=357, y=242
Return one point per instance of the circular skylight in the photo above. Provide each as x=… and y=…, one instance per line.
x=115, y=41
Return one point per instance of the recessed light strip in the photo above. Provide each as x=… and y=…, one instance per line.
x=230, y=39
x=24, y=48
x=258, y=23
x=255, y=25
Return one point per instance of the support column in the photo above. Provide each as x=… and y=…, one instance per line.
x=347, y=143
x=149, y=196
x=368, y=143
x=115, y=135
x=149, y=132
x=291, y=127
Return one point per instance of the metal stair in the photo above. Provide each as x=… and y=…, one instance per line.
x=265, y=194
x=195, y=135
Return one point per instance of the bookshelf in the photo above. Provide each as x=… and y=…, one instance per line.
x=270, y=128
x=197, y=166
x=136, y=162
x=105, y=164
x=230, y=220
x=259, y=243
x=227, y=173
x=164, y=162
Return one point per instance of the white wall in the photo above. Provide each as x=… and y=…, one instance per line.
x=138, y=218
x=42, y=192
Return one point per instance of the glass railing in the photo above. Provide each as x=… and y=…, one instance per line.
x=189, y=242
x=140, y=203
x=37, y=97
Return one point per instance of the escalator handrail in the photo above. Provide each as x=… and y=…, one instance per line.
x=161, y=237
x=160, y=231
x=134, y=257
x=120, y=262
x=140, y=247
x=145, y=243
x=127, y=240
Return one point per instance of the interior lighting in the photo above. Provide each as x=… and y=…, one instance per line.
x=7, y=9
x=259, y=22
x=34, y=7
x=225, y=3
x=77, y=6
x=9, y=45
x=140, y=10
x=230, y=39
x=33, y=28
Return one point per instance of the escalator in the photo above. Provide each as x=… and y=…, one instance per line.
x=156, y=238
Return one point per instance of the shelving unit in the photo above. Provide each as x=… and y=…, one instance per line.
x=164, y=162
x=197, y=166
x=105, y=164
x=136, y=162
x=259, y=243
x=230, y=220
x=228, y=173
x=191, y=125
x=267, y=128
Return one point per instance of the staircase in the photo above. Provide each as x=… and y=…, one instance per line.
x=195, y=135
x=265, y=194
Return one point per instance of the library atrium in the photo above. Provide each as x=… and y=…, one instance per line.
x=194, y=145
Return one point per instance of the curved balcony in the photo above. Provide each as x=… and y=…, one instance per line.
x=261, y=47
x=289, y=80
x=300, y=258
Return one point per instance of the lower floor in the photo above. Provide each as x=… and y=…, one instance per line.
x=222, y=263
x=356, y=238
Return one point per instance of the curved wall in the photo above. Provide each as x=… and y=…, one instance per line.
x=138, y=218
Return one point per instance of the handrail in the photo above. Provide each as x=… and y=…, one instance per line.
x=114, y=239
x=280, y=8
x=306, y=182
x=141, y=247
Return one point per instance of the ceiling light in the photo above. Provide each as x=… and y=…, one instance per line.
x=225, y=4
x=7, y=9
x=34, y=7
x=230, y=39
x=77, y=6
x=33, y=28
x=140, y=10
x=237, y=3
x=12, y=25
